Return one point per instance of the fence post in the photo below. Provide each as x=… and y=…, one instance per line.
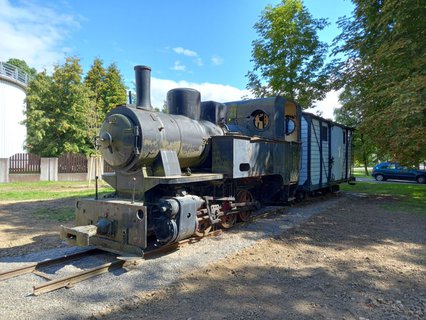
x=49, y=169
x=95, y=167
x=4, y=170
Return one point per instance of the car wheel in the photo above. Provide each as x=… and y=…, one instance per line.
x=379, y=177
x=421, y=179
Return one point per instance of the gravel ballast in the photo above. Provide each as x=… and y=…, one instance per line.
x=93, y=296
x=352, y=257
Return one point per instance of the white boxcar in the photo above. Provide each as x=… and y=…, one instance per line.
x=327, y=155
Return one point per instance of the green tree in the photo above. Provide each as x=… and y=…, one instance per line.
x=71, y=109
x=63, y=113
x=95, y=82
x=21, y=64
x=385, y=68
x=288, y=56
x=39, y=108
x=57, y=109
x=165, y=108
x=115, y=90
x=107, y=90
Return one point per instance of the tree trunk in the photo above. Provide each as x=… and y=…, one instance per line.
x=364, y=156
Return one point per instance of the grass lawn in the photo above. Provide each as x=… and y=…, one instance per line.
x=60, y=214
x=45, y=190
x=412, y=196
x=359, y=172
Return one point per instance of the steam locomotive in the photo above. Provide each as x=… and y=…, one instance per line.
x=200, y=166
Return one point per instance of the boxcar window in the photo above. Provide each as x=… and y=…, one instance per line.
x=324, y=133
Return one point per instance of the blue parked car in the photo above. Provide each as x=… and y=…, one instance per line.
x=392, y=170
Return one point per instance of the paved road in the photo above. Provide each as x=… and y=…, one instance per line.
x=387, y=181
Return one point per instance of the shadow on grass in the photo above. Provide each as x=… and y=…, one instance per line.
x=31, y=226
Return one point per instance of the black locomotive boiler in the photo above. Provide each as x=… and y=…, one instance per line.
x=201, y=165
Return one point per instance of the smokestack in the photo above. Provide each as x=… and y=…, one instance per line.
x=143, y=87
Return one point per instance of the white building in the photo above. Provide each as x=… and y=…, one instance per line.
x=13, y=83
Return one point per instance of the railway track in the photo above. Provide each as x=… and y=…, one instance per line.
x=118, y=263
x=64, y=282
x=71, y=280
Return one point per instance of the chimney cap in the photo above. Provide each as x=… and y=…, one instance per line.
x=142, y=68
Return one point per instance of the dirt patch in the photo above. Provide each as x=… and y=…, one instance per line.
x=23, y=232
x=356, y=261
x=353, y=260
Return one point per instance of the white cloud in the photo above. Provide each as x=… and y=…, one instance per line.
x=199, y=62
x=185, y=52
x=326, y=106
x=216, y=60
x=209, y=91
x=189, y=53
x=178, y=66
x=34, y=33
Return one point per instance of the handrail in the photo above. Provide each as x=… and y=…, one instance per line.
x=13, y=72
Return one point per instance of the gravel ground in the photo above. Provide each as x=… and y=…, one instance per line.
x=354, y=260
x=343, y=257
x=96, y=295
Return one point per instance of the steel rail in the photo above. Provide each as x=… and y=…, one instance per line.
x=69, y=281
x=46, y=263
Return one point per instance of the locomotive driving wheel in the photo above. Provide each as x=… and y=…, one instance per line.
x=227, y=221
x=203, y=227
x=244, y=196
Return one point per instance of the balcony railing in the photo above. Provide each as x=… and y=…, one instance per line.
x=13, y=72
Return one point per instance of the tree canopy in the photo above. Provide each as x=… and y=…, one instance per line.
x=64, y=113
x=288, y=56
x=115, y=90
x=23, y=66
x=56, y=115
x=384, y=75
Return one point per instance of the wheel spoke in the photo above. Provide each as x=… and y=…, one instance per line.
x=227, y=221
x=203, y=227
x=244, y=196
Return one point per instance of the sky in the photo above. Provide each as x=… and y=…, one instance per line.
x=204, y=45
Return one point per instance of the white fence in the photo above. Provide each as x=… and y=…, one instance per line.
x=13, y=72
